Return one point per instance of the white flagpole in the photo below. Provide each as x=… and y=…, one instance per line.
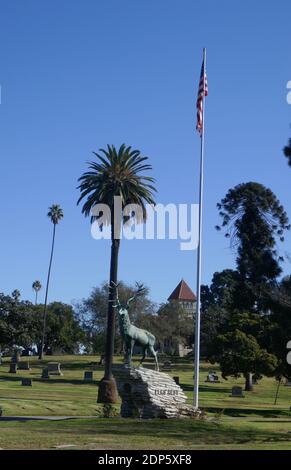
x=199, y=257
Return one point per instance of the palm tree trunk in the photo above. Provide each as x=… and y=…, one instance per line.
x=35, y=298
x=109, y=351
x=107, y=392
x=46, y=295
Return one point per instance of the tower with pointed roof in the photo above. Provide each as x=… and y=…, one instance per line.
x=184, y=295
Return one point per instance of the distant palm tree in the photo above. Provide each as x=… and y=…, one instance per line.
x=36, y=285
x=55, y=214
x=287, y=151
x=115, y=173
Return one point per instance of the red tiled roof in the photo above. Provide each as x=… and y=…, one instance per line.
x=182, y=292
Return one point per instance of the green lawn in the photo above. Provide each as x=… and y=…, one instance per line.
x=118, y=433
x=252, y=422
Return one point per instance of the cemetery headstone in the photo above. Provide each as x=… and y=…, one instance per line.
x=13, y=368
x=23, y=365
x=15, y=359
x=45, y=373
x=237, y=392
x=177, y=379
x=88, y=376
x=54, y=368
x=26, y=382
x=16, y=356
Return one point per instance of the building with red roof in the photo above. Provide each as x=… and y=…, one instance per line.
x=184, y=295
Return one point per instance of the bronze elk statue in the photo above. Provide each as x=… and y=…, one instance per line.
x=131, y=334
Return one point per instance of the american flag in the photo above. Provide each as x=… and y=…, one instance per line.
x=202, y=91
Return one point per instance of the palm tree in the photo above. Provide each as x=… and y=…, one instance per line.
x=287, y=151
x=36, y=285
x=115, y=173
x=55, y=214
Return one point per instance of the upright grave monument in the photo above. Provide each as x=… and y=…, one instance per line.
x=54, y=368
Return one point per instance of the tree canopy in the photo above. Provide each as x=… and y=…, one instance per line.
x=253, y=219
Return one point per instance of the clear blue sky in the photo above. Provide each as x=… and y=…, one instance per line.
x=78, y=75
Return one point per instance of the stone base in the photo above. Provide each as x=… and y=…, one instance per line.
x=146, y=394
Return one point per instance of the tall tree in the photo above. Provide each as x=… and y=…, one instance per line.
x=253, y=218
x=15, y=321
x=55, y=214
x=278, y=333
x=116, y=173
x=217, y=304
x=36, y=285
x=63, y=329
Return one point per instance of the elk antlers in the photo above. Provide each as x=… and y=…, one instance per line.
x=140, y=291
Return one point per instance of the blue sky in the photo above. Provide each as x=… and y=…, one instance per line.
x=78, y=75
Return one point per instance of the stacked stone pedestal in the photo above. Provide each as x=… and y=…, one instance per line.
x=146, y=393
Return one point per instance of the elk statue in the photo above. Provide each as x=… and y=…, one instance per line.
x=132, y=335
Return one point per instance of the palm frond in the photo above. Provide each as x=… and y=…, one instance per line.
x=116, y=173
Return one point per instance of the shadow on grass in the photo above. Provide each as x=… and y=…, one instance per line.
x=204, y=388
x=188, y=431
x=51, y=380
x=241, y=413
x=24, y=419
x=70, y=365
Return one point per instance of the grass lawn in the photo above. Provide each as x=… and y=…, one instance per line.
x=253, y=422
x=118, y=433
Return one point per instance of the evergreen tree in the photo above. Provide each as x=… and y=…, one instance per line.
x=254, y=218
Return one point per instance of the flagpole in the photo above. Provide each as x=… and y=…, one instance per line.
x=199, y=256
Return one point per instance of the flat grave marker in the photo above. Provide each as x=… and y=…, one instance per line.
x=23, y=365
x=88, y=376
x=26, y=382
x=237, y=392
